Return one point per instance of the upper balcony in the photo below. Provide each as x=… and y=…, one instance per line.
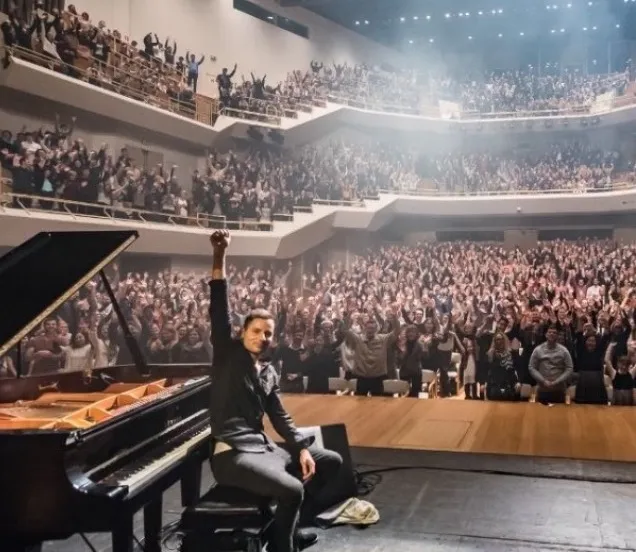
x=122, y=93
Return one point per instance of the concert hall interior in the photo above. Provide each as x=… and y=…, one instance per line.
x=402, y=233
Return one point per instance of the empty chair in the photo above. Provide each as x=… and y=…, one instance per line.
x=339, y=386
x=397, y=388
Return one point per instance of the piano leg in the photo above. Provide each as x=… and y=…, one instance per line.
x=191, y=483
x=122, y=535
x=153, y=514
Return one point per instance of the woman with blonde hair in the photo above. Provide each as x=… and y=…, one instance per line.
x=502, y=383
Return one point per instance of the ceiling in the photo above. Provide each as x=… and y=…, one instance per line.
x=466, y=25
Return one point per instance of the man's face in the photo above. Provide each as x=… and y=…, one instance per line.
x=551, y=336
x=257, y=337
x=370, y=328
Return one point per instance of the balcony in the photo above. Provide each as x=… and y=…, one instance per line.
x=200, y=121
x=161, y=233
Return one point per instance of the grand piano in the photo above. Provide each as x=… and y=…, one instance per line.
x=82, y=452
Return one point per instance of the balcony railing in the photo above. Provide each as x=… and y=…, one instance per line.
x=30, y=204
x=120, y=81
x=615, y=187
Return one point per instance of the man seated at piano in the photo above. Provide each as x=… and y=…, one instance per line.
x=245, y=387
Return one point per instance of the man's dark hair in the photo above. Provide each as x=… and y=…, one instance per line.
x=257, y=314
x=552, y=327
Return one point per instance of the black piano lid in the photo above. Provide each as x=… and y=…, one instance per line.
x=37, y=277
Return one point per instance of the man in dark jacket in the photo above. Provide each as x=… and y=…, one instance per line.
x=245, y=387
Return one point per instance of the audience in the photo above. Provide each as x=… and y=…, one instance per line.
x=149, y=73
x=261, y=182
x=536, y=317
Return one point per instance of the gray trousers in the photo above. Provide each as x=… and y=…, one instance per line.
x=277, y=474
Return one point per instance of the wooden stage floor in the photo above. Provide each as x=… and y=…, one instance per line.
x=531, y=429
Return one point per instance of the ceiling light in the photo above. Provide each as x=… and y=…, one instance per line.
x=499, y=10
x=585, y=28
x=366, y=22
x=562, y=30
x=493, y=12
x=480, y=12
x=521, y=33
x=500, y=35
x=569, y=5
x=410, y=42
x=594, y=28
x=467, y=14
x=553, y=31
x=470, y=38
x=415, y=18
x=590, y=3
x=447, y=15
x=431, y=40
x=554, y=6
x=548, y=7
x=402, y=19
x=428, y=17
x=461, y=14
x=357, y=22
x=618, y=26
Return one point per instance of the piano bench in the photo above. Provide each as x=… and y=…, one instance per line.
x=226, y=518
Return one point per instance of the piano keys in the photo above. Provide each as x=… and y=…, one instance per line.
x=82, y=452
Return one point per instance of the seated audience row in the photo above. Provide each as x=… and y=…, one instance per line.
x=559, y=316
x=261, y=182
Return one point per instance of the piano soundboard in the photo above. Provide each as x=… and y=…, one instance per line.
x=84, y=410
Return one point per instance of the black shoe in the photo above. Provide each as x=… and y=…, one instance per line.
x=304, y=539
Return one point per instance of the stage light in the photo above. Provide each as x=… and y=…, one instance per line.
x=461, y=14
x=402, y=19
x=594, y=28
x=562, y=30
x=415, y=18
x=428, y=17
x=480, y=12
x=410, y=42
x=467, y=14
x=521, y=33
x=357, y=22
x=569, y=5
x=618, y=26
x=553, y=31
x=493, y=12
x=366, y=22
x=470, y=38
x=500, y=35
x=585, y=28
x=431, y=40
x=447, y=15
x=499, y=10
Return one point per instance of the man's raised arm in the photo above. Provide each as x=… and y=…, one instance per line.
x=220, y=325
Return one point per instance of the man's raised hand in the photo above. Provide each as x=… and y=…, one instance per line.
x=220, y=240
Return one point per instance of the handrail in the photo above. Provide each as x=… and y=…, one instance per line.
x=165, y=102
x=251, y=116
x=115, y=40
x=617, y=187
x=339, y=202
x=80, y=209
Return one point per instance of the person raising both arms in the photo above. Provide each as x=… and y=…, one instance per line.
x=245, y=387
